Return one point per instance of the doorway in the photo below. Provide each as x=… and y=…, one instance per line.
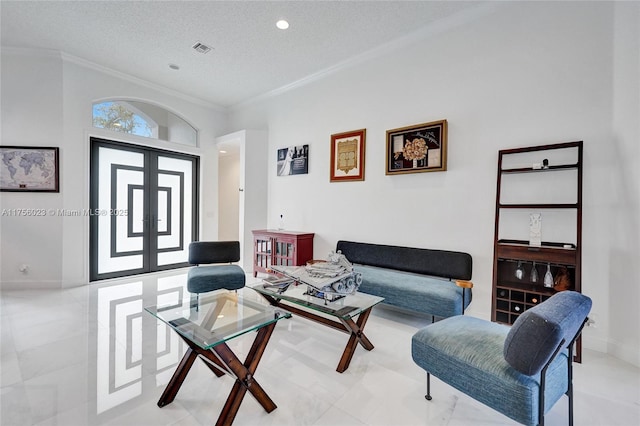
x=250, y=185
x=229, y=191
x=143, y=209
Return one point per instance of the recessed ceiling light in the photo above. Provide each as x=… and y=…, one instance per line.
x=223, y=151
x=282, y=24
x=174, y=67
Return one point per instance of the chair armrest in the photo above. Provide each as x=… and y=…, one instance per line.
x=464, y=283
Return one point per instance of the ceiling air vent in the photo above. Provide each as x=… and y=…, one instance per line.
x=202, y=48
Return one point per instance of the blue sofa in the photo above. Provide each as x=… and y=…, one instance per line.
x=432, y=282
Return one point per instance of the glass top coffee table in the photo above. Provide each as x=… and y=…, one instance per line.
x=339, y=314
x=206, y=325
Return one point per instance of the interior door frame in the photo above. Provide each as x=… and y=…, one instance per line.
x=150, y=207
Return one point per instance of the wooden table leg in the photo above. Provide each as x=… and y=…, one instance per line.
x=226, y=360
x=245, y=376
x=354, y=329
x=178, y=377
x=357, y=336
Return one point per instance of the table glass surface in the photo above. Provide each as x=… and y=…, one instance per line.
x=217, y=318
x=346, y=307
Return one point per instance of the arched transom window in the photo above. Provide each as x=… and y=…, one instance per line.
x=143, y=119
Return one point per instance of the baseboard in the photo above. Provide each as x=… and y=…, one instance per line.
x=594, y=343
x=30, y=285
x=625, y=352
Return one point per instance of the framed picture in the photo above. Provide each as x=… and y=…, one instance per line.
x=418, y=148
x=293, y=160
x=347, y=156
x=29, y=169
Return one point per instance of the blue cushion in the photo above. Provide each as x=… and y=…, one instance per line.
x=536, y=334
x=466, y=353
x=420, y=293
x=202, y=279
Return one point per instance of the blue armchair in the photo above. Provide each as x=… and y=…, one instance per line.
x=521, y=371
x=202, y=279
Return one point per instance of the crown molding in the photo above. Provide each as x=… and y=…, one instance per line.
x=142, y=82
x=30, y=51
x=435, y=28
x=49, y=53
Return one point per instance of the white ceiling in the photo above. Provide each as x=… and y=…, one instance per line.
x=250, y=56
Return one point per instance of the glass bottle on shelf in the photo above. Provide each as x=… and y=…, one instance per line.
x=519, y=271
x=534, y=273
x=548, y=278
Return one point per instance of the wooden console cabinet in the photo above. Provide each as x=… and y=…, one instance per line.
x=286, y=248
x=555, y=191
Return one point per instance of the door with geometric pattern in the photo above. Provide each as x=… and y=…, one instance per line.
x=143, y=209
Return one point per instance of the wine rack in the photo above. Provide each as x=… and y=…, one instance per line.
x=511, y=302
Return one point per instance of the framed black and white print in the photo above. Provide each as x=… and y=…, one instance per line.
x=293, y=160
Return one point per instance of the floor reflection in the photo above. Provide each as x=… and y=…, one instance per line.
x=123, y=327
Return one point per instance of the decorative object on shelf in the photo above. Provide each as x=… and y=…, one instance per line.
x=519, y=271
x=535, y=229
x=534, y=273
x=548, y=278
x=29, y=169
x=347, y=156
x=293, y=160
x=562, y=281
x=545, y=164
x=418, y=148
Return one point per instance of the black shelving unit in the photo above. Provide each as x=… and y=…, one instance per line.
x=512, y=296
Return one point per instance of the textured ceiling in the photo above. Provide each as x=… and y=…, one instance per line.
x=250, y=56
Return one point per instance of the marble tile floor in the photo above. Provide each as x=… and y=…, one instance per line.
x=92, y=356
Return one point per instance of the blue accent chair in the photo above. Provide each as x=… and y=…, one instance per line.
x=203, y=279
x=520, y=371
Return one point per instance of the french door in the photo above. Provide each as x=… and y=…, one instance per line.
x=143, y=209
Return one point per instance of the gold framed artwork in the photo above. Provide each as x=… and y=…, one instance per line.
x=418, y=148
x=347, y=156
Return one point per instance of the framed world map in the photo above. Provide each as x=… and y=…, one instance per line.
x=29, y=169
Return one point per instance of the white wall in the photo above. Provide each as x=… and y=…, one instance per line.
x=32, y=114
x=253, y=166
x=520, y=74
x=46, y=100
x=623, y=252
